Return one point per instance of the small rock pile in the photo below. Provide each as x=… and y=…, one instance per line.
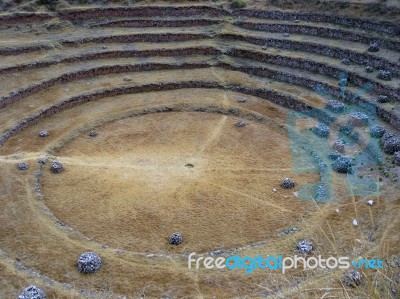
x=369, y=69
x=57, y=167
x=373, y=47
x=384, y=75
x=304, y=247
x=89, y=262
x=23, y=166
x=93, y=134
x=345, y=61
x=240, y=124
x=339, y=146
x=352, y=278
x=383, y=99
x=43, y=133
x=343, y=82
x=287, y=183
x=32, y=292
x=358, y=119
x=175, y=239
x=391, y=145
x=335, y=106
x=321, y=130
x=342, y=165
x=377, y=131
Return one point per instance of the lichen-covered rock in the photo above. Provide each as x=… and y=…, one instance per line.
x=339, y=146
x=345, y=61
x=321, y=130
x=342, y=165
x=89, y=262
x=32, y=292
x=383, y=99
x=358, y=119
x=377, y=131
x=335, y=106
x=175, y=238
x=384, y=75
x=352, y=278
x=373, y=47
x=240, y=124
x=43, y=133
x=304, y=246
x=23, y=166
x=369, y=69
x=93, y=133
x=287, y=183
x=391, y=145
x=57, y=167
x=396, y=158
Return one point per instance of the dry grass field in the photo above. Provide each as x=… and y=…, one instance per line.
x=165, y=95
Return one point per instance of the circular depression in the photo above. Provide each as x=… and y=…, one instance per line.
x=130, y=187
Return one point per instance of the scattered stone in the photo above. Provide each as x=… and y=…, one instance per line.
x=321, y=130
x=384, y=75
x=288, y=231
x=377, y=131
x=396, y=158
x=23, y=166
x=391, y=145
x=373, y=47
x=32, y=292
x=358, y=119
x=128, y=78
x=369, y=69
x=342, y=165
x=370, y=202
x=286, y=35
x=345, y=61
x=89, y=262
x=104, y=47
x=337, y=210
x=43, y=133
x=241, y=100
x=355, y=222
x=352, y=278
x=57, y=167
x=240, y=124
x=339, y=146
x=287, y=183
x=93, y=134
x=304, y=246
x=175, y=239
x=335, y=106
x=343, y=82
x=383, y=99
x=274, y=190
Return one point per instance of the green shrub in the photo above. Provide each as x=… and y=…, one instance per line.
x=238, y=3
